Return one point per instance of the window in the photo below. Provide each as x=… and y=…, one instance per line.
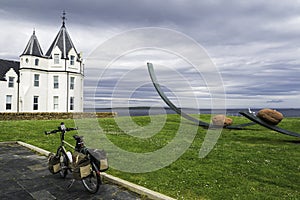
x=11, y=82
x=71, y=103
x=55, y=82
x=56, y=58
x=72, y=60
x=36, y=80
x=72, y=83
x=55, y=102
x=36, y=62
x=35, y=103
x=8, y=102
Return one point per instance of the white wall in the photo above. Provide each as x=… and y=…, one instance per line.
x=46, y=69
x=46, y=91
x=28, y=90
x=5, y=90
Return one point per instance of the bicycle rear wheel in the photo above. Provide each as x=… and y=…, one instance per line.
x=92, y=182
x=63, y=164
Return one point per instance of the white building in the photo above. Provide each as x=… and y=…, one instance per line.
x=51, y=82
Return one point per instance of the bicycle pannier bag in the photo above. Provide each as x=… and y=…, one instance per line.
x=99, y=158
x=81, y=165
x=53, y=163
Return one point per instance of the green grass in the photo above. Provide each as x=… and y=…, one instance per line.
x=255, y=163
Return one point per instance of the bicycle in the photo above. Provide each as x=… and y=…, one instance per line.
x=94, y=161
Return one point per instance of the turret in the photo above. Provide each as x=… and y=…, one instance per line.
x=32, y=53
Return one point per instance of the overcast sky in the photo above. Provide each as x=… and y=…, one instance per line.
x=254, y=45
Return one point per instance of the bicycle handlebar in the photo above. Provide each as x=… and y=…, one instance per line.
x=60, y=130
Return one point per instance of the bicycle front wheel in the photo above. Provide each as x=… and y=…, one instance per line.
x=92, y=182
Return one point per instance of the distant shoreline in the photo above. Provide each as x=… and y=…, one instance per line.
x=144, y=111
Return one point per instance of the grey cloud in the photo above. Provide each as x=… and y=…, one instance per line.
x=255, y=43
x=275, y=101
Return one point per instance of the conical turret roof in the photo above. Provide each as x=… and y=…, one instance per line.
x=63, y=42
x=33, y=47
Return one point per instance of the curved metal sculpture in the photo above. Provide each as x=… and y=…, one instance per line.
x=257, y=120
x=179, y=111
x=168, y=102
x=249, y=115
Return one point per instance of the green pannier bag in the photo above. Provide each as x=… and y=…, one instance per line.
x=99, y=158
x=81, y=166
x=53, y=163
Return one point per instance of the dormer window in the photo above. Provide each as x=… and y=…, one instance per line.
x=36, y=62
x=11, y=82
x=56, y=58
x=72, y=60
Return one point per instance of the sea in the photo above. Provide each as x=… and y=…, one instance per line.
x=145, y=111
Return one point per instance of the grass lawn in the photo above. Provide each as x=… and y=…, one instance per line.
x=255, y=163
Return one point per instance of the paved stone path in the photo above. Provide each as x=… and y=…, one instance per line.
x=24, y=175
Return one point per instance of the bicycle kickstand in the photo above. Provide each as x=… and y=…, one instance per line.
x=70, y=183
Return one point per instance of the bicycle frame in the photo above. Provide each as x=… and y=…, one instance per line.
x=63, y=142
x=92, y=181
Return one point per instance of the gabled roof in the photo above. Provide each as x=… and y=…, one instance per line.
x=63, y=42
x=6, y=65
x=33, y=47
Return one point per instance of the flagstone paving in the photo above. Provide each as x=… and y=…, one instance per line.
x=24, y=175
